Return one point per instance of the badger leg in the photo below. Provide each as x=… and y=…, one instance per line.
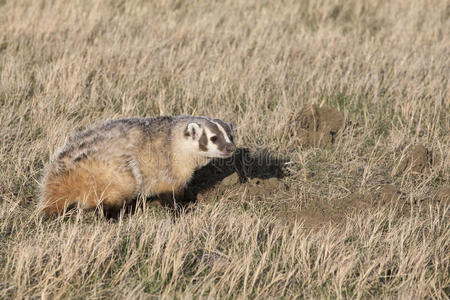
x=89, y=184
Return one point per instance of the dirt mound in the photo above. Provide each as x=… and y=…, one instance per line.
x=315, y=126
x=417, y=160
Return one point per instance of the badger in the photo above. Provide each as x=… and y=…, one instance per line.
x=112, y=163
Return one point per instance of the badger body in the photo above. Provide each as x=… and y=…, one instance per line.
x=112, y=163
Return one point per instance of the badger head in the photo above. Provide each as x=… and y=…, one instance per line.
x=215, y=138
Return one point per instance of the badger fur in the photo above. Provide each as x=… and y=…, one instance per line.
x=112, y=163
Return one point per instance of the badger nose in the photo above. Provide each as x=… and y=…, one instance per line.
x=230, y=148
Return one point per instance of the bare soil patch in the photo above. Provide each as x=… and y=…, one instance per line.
x=381, y=195
x=337, y=211
x=257, y=175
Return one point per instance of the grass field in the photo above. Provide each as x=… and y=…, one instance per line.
x=364, y=214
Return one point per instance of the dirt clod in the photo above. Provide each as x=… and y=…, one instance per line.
x=443, y=194
x=355, y=200
x=387, y=193
x=315, y=126
x=417, y=160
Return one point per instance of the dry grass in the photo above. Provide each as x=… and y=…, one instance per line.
x=384, y=64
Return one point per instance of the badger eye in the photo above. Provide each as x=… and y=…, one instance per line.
x=213, y=139
x=232, y=138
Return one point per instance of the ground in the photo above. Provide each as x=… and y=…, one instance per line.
x=341, y=184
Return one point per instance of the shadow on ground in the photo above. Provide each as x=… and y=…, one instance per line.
x=245, y=163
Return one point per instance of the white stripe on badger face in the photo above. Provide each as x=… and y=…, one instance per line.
x=225, y=135
x=209, y=134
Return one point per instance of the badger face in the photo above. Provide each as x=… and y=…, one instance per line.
x=215, y=138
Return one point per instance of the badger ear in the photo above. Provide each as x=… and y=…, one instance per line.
x=193, y=130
